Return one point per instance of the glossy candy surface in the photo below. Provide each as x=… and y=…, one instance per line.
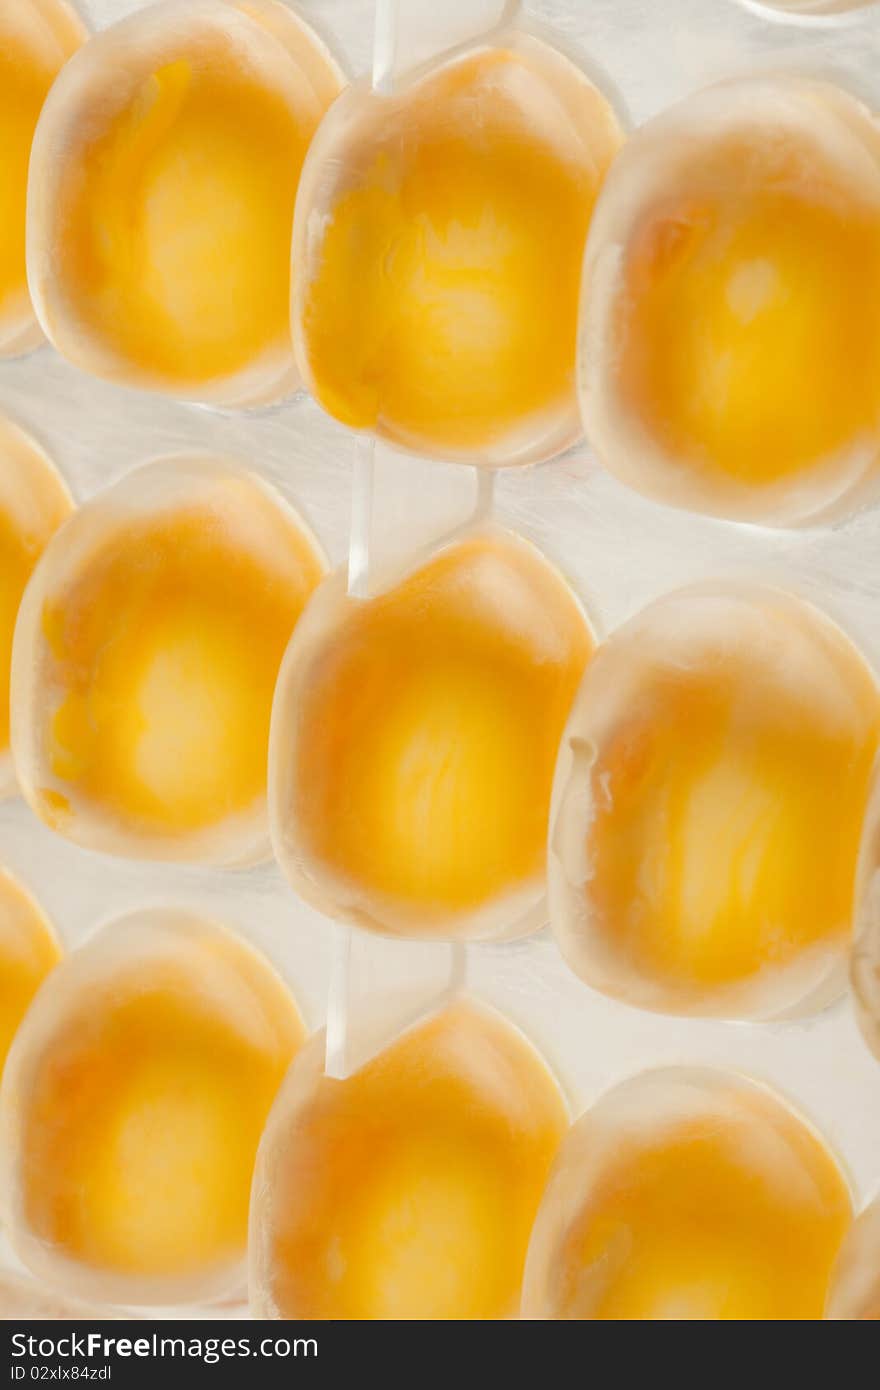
x=33, y=503
x=161, y=197
x=146, y=659
x=36, y=39
x=414, y=736
x=408, y=1190
x=132, y=1103
x=439, y=236
x=864, y=966
x=687, y=1194
x=855, y=1287
x=708, y=806
x=729, y=362
x=29, y=950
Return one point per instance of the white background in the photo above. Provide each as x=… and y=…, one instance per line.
x=618, y=550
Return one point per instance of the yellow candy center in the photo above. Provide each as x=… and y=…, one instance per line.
x=430, y=729
x=409, y=1189
x=33, y=47
x=727, y=831
x=28, y=951
x=167, y=651
x=747, y=328
x=701, y=1224
x=142, y=1125
x=16, y=563
x=443, y=308
x=178, y=220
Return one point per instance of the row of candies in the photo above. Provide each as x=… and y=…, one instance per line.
x=693, y=801
x=146, y=1152
x=713, y=762
x=414, y=737
x=717, y=344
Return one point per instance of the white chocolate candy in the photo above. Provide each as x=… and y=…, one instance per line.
x=438, y=242
x=146, y=656
x=708, y=806
x=855, y=1287
x=408, y=1189
x=132, y=1103
x=160, y=205
x=414, y=735
x=29, y=950
x=728, y=358
x=34, y=502
x=687, y=1194
x=36, y=39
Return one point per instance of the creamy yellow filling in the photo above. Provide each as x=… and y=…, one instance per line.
x=428, y=729
x=746, y=327
x=408, y=1190
x=28, y=951
x=164, y=653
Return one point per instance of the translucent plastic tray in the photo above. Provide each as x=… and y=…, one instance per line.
x=618, y=549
